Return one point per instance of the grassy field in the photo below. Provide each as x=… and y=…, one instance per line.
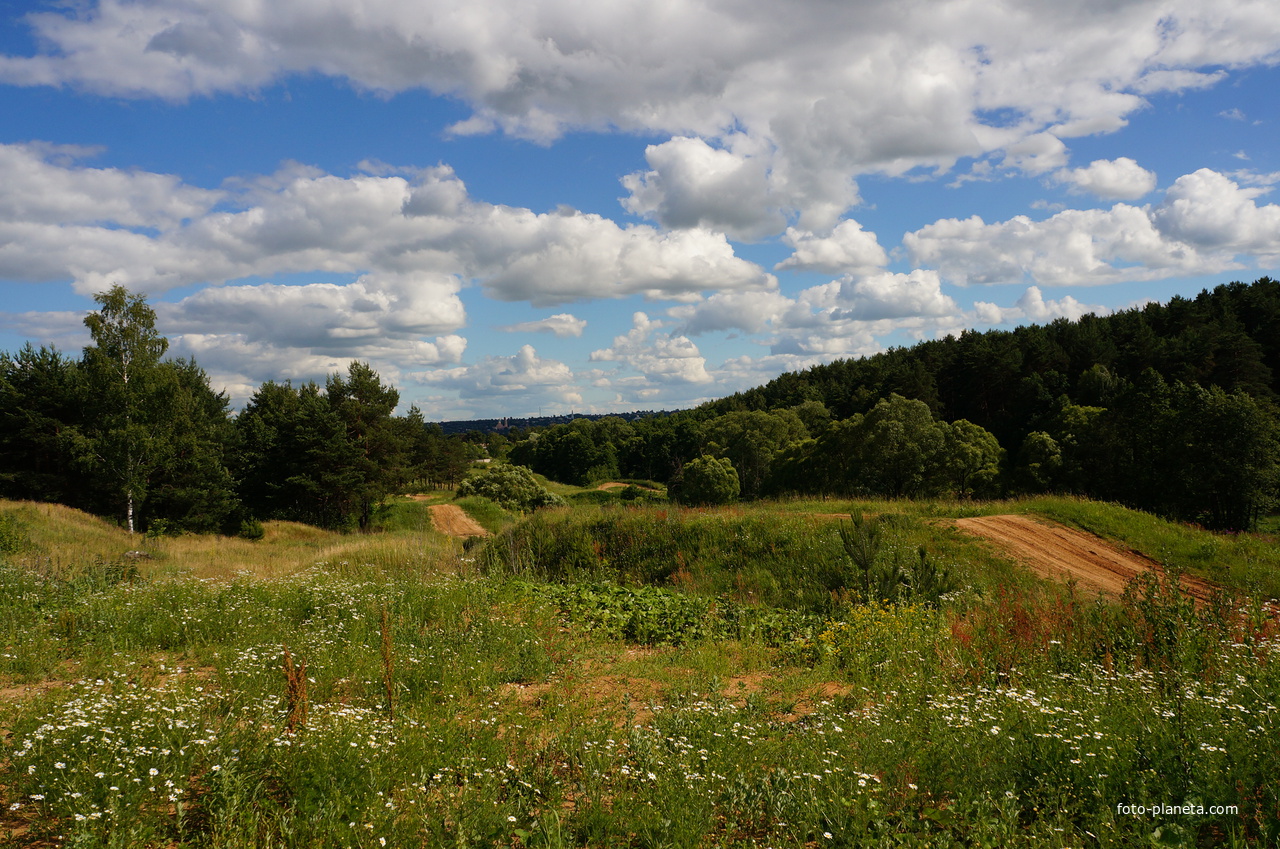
x=638, y=676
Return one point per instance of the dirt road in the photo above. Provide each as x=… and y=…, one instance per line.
x=452, y=520
x=618, y=485
x=1058, y=553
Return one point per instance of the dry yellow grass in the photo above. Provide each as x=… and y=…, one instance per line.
x=63, y=539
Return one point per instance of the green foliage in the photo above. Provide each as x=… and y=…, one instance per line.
x=706, y=481
x=883, y=580
x=327, y=458
x=751, y=441
x=971, y=460
x=783, y=561
x=651, y=615
x=252, y=529
x=13, y=536
x=1007, y=718
x=490, y=515
x=126, y=441
x=1040, y=462
x=41, y=415
x=582, y=452
x=645, y=615
x=513, y=487
x=434, y=460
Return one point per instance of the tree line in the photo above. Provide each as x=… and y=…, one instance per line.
x=124, y=432
x=1169, y=408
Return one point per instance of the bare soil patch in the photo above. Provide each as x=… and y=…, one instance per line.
x=452, y=520
x=619, y=485
x=1059, y=553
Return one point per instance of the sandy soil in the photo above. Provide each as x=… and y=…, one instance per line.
x=1058, y=553
x=618, y=485
x=452, y=520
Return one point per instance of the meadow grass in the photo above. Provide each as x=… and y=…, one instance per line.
x=490, y=515
x=609, y=704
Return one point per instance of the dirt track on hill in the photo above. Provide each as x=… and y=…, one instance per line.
x=1058, y=553
x=452, y=520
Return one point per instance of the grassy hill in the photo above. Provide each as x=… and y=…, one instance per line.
x=642, y=676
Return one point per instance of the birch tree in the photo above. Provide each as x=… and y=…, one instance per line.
x=123, y=369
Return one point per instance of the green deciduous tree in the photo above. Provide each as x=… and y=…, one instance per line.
x=971, y=459
x=751, y=440
x=901, y=445
x=707, y=481
x=125, y=438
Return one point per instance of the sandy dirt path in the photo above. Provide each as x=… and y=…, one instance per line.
x=452, y=520
x=618, y=485
x=1058, y=553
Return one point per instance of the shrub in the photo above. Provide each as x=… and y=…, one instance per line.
x=514, y=487
x=707, y=481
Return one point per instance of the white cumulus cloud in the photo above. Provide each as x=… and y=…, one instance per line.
x=846, y=249
x=1205, y=224
x=660, y=357
x=779, y=110
x=1111, y=179
x=562, y=325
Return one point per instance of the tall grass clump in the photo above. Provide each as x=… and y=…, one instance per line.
x=793, y=562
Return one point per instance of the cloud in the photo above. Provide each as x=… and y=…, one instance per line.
x=752, y=312
x=846, y=249
x=1213, y=213
x=563, y=325
x=1036, y=154
x=1032, y=306
x=151, y=233
x=1202, y=225
x=521, y=380
x=890, y=295
x=661, y=358
x=1115, y=179
x=845, y=317
x=782, y=111
x=43, y=184
x=375, y=309
x=745, y=190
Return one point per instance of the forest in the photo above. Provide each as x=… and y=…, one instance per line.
x=123, y=432
x=1170, y=408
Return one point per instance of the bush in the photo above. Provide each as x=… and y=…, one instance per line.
x=251, y=529
x=708, y=481
x=514, y=487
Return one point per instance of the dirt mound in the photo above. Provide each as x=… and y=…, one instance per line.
x=1058, y=553
x=452, y=520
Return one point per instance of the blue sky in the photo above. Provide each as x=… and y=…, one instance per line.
x=510, y=207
